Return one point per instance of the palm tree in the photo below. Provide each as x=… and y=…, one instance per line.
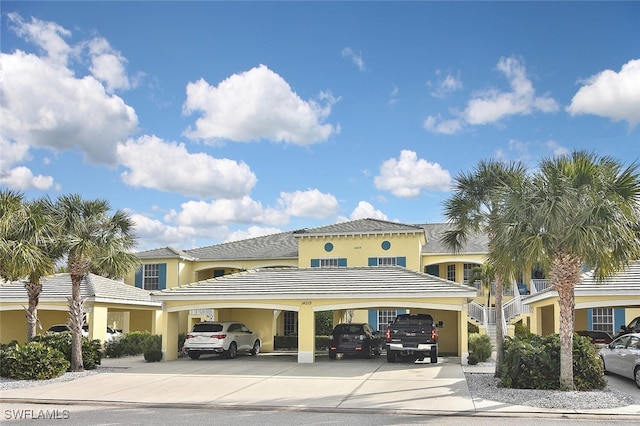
x=486, y=275
x=577, y=210
x=473, y=208
x=93, y=241
x=26, y=247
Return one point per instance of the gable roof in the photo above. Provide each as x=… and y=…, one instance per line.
x=476, y=243
x=359, y=226
x=317, y=283
x=164, y=253
x=274, y=246
x=57, y=288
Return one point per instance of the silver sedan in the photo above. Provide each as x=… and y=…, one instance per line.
x=622, y=357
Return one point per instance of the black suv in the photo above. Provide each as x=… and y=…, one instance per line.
x=355, y=339
x=632, y=327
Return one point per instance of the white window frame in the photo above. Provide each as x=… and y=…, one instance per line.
x=329, y=262
x=151, y=276
x=451, y=272
x=385, y=316
x=387, y=261
x=602, y=319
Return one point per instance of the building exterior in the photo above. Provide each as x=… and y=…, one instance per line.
x=364, y=270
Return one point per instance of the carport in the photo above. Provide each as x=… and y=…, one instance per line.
x=103, y=298
x=257, y=297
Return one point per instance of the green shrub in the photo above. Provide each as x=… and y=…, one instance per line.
x=91, y=349
x=32, y=361
x=133, y=343
x=472, y=328
x=521, y=330
x=533, y=362
x=153, y=355
x=472, y=359
x=479, y=347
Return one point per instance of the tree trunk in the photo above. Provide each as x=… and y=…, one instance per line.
x=499, y=329
x=76, y=320
x=33, y=292
x=565, y=274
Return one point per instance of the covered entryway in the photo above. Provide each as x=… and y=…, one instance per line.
x=258, y=297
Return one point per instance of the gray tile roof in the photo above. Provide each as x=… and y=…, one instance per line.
x=476, y=243
x=625, y=284
x=57, y=288
x=164, y=253
x=360, y=226
x=316, y=283
x=274, y=246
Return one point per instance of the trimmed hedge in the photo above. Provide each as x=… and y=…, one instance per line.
x=533, y=362
x=32, y=361
x=91, y=349
x=479, y=348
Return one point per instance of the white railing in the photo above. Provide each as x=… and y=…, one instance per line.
x=538, y=285
x=515, y=307
x=477, y=312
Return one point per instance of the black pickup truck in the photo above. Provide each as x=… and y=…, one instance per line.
x=413, y=334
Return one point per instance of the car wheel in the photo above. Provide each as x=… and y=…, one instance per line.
x=256, y=348
x=604, y=366
x=636, y=375
x=332, y=354
x=391, y=356
x=434, y=356
x=232, y=352
x=194, y=355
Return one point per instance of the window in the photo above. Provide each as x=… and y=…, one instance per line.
x=387, y=261
x=289, y=322
x=151, y=277
x=467, y=270
x=329, y=263
x=385, y=316
x=451, y=272
x=603, y=319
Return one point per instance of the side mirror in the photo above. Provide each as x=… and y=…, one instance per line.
x=440, y=324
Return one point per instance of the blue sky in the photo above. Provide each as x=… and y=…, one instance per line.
x=216, y=121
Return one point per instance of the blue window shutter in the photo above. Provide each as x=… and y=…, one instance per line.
x=401, y=261
x=619, y=319
x=315, y=263
x=433, y=270
x=162, y=276
x=373, y=318
x=218, y=273
x=401, y=311
x=342, y=261
x=589, y=319
x=138, y=280
x=373, y=261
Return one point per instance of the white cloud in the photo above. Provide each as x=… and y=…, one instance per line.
x=493, y=105
x=257, y=104
x=393, y=95
x=365, y=210
x=20, y=178
x=169, y=167
x=225, y=211
x=446, y=84
x=108, y=65
x=251, y=232
x=407, y=176
x=446, y=127
x=558, y=150
x=149, y=229
x=311, y=203
x=45, y=105
x=356, y=58
x=615, y=95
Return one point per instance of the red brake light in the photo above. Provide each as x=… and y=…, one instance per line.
x=189, y=336
x=387, y=334
x=434, y=334
x=218, y=336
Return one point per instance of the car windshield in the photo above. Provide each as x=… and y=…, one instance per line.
x=207, y=328
x=349, y=329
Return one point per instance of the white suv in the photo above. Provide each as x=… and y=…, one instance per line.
x=225, y=338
